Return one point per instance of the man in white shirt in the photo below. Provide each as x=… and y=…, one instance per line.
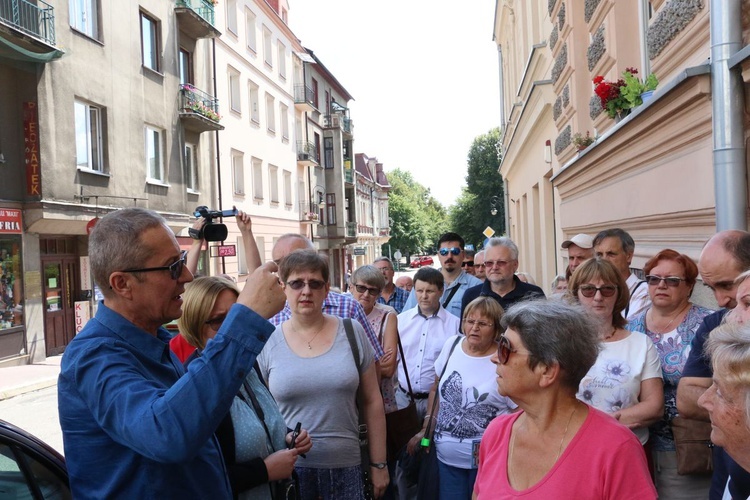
x=423, y=331
x=618, y=247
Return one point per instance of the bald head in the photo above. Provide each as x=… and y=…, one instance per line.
x=405, y=282
x=288, y=243
x=723, y=258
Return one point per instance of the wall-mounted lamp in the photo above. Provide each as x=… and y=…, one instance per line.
x=548, y=151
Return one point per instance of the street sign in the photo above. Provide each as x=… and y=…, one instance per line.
x=359, y=251
x=488, y=232
x=224, y=251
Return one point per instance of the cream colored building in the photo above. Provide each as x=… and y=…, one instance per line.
x=652, y=173
x=373, y=226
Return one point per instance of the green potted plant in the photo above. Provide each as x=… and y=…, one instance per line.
x=581, y=141
x=619, y=97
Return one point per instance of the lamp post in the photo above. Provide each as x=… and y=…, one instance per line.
x=494, y=202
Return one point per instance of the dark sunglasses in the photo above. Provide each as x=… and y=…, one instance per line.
x=590, y=290
x=467, y=263
x=175, y=268
x=366, y=289
x=671, y=281
x=453, y=250
x=504, y=349
x=216, y=323
x=300, y=284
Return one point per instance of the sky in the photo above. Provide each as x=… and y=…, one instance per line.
x=423, y=74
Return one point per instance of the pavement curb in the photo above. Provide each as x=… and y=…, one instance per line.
x=35, y=386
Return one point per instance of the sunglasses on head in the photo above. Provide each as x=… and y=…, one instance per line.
x=366, y=289
x=452, y=250
x=671, y=281
x=590, y=290
x=504, y=349
x=300, y=284
x=175, y=268
x=467, y=263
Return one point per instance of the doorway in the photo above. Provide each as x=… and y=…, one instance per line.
x=60, y=288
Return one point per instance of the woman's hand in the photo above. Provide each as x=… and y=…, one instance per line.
x=303, y=442
x=280, y=464
x=244, y=223
x=414, y=443
x=380, y=480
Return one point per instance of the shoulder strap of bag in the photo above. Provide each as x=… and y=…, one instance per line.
x=627, y=309
x=450, y=295
x=431, y=428
x=403, y=363
x=363, y=441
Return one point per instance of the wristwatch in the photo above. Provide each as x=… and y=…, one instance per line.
x=379, y=465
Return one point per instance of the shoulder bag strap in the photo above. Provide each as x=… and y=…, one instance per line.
x=431, y=428
x=450, y=295
x=627, y=309
x=257, y=408
x=403, y=363
x=363, y=441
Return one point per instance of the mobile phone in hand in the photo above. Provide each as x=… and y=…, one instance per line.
x=295, y=433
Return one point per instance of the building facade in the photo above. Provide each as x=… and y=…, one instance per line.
x=651, y=172
x=373, y=226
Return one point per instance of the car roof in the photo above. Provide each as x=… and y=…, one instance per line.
x=33, y=446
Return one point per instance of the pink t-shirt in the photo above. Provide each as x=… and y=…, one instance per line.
x=603, y=461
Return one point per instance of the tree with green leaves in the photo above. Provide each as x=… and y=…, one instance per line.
x=472, y=212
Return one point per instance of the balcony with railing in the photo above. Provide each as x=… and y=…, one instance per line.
x=347, y=125
x=351, y=230
x=199, y=111
x=33, y=20
x=196, y=18
x=349, y=176
x=304, y=98
x=309, y=212
x=307, y=154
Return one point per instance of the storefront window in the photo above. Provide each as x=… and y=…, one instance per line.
x=11, y=285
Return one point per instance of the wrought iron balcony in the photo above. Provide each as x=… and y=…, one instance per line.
x=307, y=153
x=196, y=18
x=304, y=98
x=347, y=125
x=36, y=20
x=349, y=176
x=199, y=110
x=351, y=229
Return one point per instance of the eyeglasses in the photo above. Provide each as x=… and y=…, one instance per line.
x=499, y=263
x=452, y=250
x=300, y=284
x=384, y=269
x=215, y=324
x=473, y=322
x=504, y=349
x=590, y=290
x=175, y=268
x=672, y=281
x=366, y=289
x=467, y=263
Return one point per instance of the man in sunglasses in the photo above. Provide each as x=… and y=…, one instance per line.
x=502, y=283
x=468, y=263
x=724, y=257
x=135, y=423
x=457, y=281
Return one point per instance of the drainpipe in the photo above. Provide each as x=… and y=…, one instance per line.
x=728, y=103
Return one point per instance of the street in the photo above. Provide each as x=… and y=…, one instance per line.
x=36, y=413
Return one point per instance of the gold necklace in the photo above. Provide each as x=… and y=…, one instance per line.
x=614, y=330
x=666, y=329
x=309, y=342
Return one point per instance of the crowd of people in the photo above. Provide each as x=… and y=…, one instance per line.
x=462, y=381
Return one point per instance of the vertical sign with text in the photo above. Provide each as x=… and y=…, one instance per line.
x=31, y=149
x=82, y=314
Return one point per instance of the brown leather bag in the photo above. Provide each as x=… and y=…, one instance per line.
x=692, y=441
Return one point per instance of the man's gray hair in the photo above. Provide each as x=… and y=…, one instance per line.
x=626, y=241
x=369, y=275
x=297, y=236
x=115, y=244
x=556, y=332
x=503, y=241
x=383, y=258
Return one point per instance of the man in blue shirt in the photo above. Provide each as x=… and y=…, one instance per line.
x=457, y=281
x=391, y=295
x=135, y=425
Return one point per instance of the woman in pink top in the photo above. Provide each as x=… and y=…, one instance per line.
x=557, y=447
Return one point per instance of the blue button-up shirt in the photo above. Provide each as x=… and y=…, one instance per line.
x=465, y=280
x=396, y=300
x=135, y=424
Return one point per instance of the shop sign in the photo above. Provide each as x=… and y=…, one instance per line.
x=85, y=273
x=225, y=251
x=10, y=221
x=82, y=314
x=359, y=251
x=31, y=149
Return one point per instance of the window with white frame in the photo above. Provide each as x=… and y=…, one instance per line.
x=250, y=34
x=155, y=154
x=282, y=60
x=273, y=183
x=288, y=201
x=267, y=46
x=234, y=90
x=253, y=94
x=257, y=179
x=150, y=42
x=238, y=173
x=284, y=115
x=232, y=16
x=191, y=167
x=270, y=113
x=89, y=136
x=84, y=17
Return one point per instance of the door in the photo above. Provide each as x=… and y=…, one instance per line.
x=60, y=287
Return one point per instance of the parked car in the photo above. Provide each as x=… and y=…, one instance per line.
x=29, y=468
x=424, y=260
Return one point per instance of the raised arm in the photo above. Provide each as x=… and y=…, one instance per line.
x=252, y=255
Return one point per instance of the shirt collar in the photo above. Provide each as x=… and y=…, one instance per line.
x=129, y=333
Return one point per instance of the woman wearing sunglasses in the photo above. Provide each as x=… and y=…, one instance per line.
x=671, y=323
x=253, y=440
x=626, y=379
x=312, y=373
x=468, y=398
x=556, y=447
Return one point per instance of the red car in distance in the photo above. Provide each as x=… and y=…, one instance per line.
x=424, y=260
